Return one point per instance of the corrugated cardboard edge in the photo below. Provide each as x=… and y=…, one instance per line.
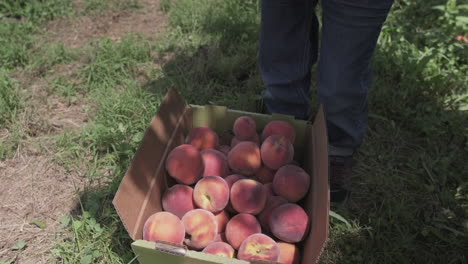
x=321, y=200
x=130, y=200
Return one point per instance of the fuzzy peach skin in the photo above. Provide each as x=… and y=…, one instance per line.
x=221, y=237
x=244, y=128
x=289, y=223
x=202, y=137
x=276, y=151
x=269, y=188
x=240, y=227
x=211, y=193
x=219, y=249
x=185, y=164
x=264, y=215
x=245, y=158
x=235, y=140
x=279, y=127
x=201, y=228
x=222, y=218
x=265, y=174
x=289, y=253
x=215, y=163
x=178, y=200
x=248, y=196
x=164, y=226
x=258, y=247
x=230, y=180
x=291, y=182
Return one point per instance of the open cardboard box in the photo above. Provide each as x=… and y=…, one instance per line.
x=139, y=193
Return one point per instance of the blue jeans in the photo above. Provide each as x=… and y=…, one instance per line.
x=289, y=46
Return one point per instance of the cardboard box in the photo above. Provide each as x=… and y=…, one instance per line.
x=139, y=193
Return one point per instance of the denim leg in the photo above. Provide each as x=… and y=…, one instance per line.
x=349, y=36
x=288, y=49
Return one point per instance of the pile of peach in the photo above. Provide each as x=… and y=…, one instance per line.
x=237, y=201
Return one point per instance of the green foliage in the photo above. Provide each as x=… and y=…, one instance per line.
x=34, y=11
x=15, y=42
x=112, y=63
x=10, y=100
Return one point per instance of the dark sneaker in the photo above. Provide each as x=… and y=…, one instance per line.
x=340, y=178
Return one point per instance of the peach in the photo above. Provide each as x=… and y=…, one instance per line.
x=221, y=237
x=289, y=222
x=215, y=163
x=269, y=188
x=271, y=204
x=201, y=228
x=240, y=227
x=230, y=180
x=202, y=137
x=244, y=128
x=178, y=200
x=224, y=149
x=219, y=249
x=288, y=253
x=259, y=247
x=276, y=151
x=211, y=193
x=248, y=196
x=222, y=218
x=185, y=164
x=279, y=127
x=164, y=226
x=245, y=158
x=265, y=174
x=292, y=182
x=235, y=141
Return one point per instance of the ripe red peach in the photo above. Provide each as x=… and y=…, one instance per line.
x=240, y=227
x=222, y=218
x=265, y=174
x=289, y=223
x=258, y=247
x=178, y=200
x=289, y=253
x=244, y=128
x=276, y=151
x=248, y=196
x=185, y=164
x=211, y=193
x=201, y=228
x=245, y=158
x=230, y=180
x=221, y=237
x=279, y=127
x=264, y=215
x=219, y=249
x=291, y=182
x=215, y=163
x=269, y=188
x=164, y=226
x=202, y=137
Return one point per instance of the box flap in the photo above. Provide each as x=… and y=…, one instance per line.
x=136, y=187
x=151, y=252
x=318, y=200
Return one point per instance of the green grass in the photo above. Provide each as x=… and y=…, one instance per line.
x=410, y=202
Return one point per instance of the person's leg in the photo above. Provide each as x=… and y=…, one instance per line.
x=349, y=36
x=288, y=49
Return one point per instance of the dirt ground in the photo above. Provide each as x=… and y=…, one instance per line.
x=30, y=189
